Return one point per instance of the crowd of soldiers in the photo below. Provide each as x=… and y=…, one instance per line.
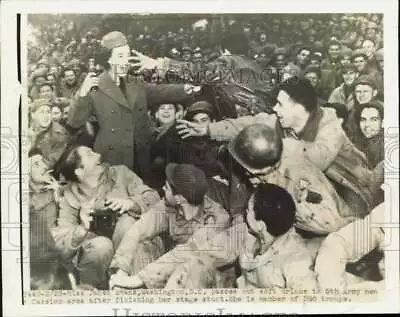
x=144, y=173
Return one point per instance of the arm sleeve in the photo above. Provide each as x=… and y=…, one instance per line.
x=328, y=142
x=299, y=272
x=150, y=224
x=222, y=249
x=140, y=193
x=80, y=110
x=228, y=129
x=69, y=234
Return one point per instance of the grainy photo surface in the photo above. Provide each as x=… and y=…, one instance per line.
x=203, y=158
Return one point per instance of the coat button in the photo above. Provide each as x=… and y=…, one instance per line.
x=112, y=111
x=111, y=147
x=112, y=130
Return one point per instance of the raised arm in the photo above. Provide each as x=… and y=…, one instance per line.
x=140, y=193
x=82, y=104
x=224, y=130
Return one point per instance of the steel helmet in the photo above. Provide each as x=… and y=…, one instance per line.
x=257, y=147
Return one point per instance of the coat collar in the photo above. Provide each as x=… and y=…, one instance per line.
x=106, y=183
x=310, y=130
x=108, y=86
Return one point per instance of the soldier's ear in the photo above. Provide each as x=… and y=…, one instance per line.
x=375, y=92
x=79, y=172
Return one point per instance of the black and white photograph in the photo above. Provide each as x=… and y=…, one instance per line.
x=200, y=152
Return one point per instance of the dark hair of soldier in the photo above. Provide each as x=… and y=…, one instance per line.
x=68, y=163
x=274, y=206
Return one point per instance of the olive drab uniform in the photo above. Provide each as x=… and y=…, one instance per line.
x=340, y=248
x=52, y=143
x=168, y=220
x=287, y=263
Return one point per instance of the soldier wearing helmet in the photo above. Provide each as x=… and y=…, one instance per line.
x=267, y=158
x=318, y=129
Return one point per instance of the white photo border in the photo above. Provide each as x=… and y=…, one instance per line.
x=11, y=91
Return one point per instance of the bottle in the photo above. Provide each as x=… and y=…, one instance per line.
x=92, y=69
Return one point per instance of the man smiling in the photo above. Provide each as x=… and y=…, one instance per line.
x=50, y=137
x=370, y=136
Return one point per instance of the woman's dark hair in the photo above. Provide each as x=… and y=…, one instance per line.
x=102, y=56
x=275, y=207
x=69, y=162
